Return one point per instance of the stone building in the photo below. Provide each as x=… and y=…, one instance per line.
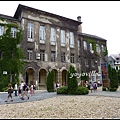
x=114, y=61
x=52, y=42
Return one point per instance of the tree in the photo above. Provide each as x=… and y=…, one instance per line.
x=11, y=57
x=72, y=82
x=50, y=81
x=113, y=76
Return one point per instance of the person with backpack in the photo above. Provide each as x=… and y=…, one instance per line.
x=24, y=91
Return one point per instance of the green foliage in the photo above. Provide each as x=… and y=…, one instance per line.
x=105, y=52
x=81, y=91
x=103, y=88
x=84, y=76
x=12, y=55
x=113, y=76
x=62, y=90
x=72, y=82
x=112, y=89
x=50, y=81
x=4, y=89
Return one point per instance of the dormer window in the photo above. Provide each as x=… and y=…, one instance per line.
x=117, y=58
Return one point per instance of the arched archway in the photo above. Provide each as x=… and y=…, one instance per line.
x=42, y=78
x=30, y=76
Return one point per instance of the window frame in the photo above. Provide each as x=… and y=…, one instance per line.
x=30, y=32
x=62, y=35
x=72, y=40
x=53, y=36
x=42, y=34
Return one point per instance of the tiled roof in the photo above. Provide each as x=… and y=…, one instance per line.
x=8, y=17
x=92, y=36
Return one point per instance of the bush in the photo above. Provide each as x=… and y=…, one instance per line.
x=4, y=89
x=103, y=88
x=62, y=90
x=112, y=89
x=72, y=83
x=81, y=91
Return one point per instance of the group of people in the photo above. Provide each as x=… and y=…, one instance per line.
x=20, y=90
x=92, y=86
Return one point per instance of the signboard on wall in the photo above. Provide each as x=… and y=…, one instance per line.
x=104, y=70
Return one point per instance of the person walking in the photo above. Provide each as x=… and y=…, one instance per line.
x=24, y=91
x=31, y=89
x=16, y=88
x=10, y=91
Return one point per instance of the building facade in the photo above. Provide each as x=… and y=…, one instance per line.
x=52, y=42
x=114, y=61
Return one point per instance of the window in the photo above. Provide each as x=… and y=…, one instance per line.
x=85, y=45
x=86, y=61
x=30, y=54
x=72, y=58
x=42, y=34
x=102, y=48
x=90, y=46
x=71, y=39
x=79, y=59
x=53, y=36
x=78, y=44
x=53, y=56
x=62, y=38
x=30, y=32
x=92, y=62
x=97, y=48
x=1, y=30
x=63, y=57
x=42, y=55
x=13, y=32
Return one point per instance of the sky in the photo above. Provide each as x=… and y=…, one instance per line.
x=100, y=18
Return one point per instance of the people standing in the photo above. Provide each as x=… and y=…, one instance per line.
x=10, y=91
x=57, y=85
x=95, y=87
x=34, y=88
x=16, y=88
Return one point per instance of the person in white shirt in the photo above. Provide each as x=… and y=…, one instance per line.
x=16, y=88
x=21, y=86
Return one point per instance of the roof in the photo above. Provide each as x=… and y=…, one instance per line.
x=8, y=17
x=92, y=36
x=21, y=7
x=114, y=56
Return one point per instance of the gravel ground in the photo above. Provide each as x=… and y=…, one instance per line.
x=67, y=107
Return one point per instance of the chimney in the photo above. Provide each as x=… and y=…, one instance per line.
x=79, y=26
x=79, y=18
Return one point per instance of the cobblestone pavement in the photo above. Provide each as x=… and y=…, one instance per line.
x=43, y=94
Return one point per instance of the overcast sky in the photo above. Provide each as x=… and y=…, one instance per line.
x=100, y=18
